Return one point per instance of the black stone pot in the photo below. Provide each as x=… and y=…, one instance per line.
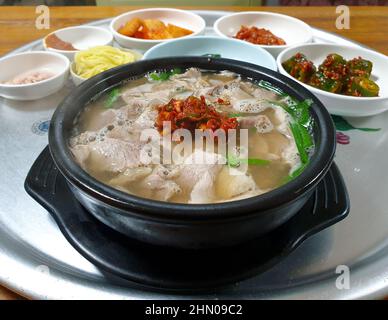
x=189, y=225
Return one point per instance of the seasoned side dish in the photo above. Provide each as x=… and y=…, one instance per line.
x=53, y=41
x=152, y=29
x=259, y=36
x=335, y=74
x=29, y=77
x=271, y=131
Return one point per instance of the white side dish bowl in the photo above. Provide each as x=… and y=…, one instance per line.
x=205, y=45
x=181, y=18
x=81, y=38
x=27, y=62
x=293, y=31
x=341, y=104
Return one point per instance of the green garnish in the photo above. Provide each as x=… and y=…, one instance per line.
x=235, y=115
x=256, y=161
x=112, y=97
x=268, y=86
x=296, y=130
x=300, y=125
x=165, y=75
x=232, y=161
x=235, y=162
x=299, y=111
x=296, y=173
x=300, y=128
x=302, y=112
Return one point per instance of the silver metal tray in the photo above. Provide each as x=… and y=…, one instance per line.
x=37, y=262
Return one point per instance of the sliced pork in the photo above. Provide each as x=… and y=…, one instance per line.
x=106, y=140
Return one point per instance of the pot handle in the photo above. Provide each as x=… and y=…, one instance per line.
x=328, y=205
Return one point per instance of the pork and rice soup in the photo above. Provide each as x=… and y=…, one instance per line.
x=193, y=136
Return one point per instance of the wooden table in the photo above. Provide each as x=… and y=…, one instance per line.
x=368, y=25
x=6, y=294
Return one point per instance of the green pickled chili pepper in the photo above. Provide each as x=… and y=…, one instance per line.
x=360, y=67
x=289, y=64
x=333, y=62
x=320, y=81
x=299, y=67
x=363, y=87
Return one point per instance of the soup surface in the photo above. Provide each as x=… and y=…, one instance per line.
x=141, y=138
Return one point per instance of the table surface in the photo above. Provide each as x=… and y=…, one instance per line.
x=368, y=25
